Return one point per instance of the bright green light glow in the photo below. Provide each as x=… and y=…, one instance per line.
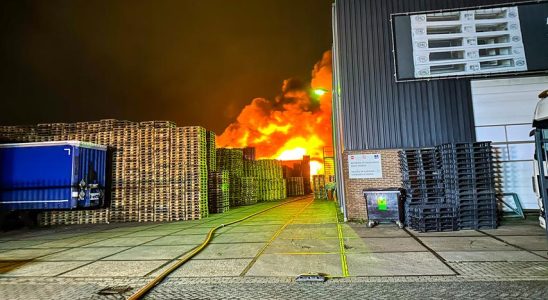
x=320, y=92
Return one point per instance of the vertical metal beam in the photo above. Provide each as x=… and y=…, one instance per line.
x=338, y=143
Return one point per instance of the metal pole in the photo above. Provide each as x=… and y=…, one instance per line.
x=338, y=142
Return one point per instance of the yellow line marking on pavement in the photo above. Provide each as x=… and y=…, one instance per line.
x=305, y=253
x=344, y=264
x=183, y=258
x=276, y=234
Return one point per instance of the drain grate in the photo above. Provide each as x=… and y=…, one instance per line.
x=312, y=277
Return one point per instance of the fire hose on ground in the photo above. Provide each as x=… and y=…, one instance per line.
x=158, y=279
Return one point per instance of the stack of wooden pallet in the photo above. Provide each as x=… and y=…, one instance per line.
x=218, y=192
x=159, y=172
x=215, y=178
x=162, y=163
x=70, y=133
x=249, y=191
x=155, y=161
x=232, y=160
x=211, y=151
x=43, y=133
x=57, y=131
x=147, y=196
x=178, y=206
x=270, y=182
x=82, y=132
x=17, y=134
x=195, y=171
x=295, y=186
x=125, y=172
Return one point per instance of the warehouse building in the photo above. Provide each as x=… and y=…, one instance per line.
x=391, y=92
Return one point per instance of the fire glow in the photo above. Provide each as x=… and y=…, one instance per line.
x=296, y=123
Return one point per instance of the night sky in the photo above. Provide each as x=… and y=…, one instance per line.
x=193, y=62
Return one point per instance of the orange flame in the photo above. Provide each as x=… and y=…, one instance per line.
x=294, y=124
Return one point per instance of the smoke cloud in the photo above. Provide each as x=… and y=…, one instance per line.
x=295, y=123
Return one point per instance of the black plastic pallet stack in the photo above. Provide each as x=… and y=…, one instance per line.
x=426, y=207
x=470, y=183
x=440, y=217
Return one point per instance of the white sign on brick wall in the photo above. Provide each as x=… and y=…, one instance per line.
x=364, y=166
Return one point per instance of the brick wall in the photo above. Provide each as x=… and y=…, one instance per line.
x=355, y=203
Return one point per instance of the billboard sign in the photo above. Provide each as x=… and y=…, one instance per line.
x=471, y=42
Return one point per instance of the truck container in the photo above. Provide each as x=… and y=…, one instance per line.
x=52, y=175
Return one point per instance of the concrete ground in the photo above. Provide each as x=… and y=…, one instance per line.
x=268, y=251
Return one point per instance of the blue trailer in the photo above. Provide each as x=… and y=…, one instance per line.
x=52, y=175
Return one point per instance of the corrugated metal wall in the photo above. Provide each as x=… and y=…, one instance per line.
x=379, y=113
